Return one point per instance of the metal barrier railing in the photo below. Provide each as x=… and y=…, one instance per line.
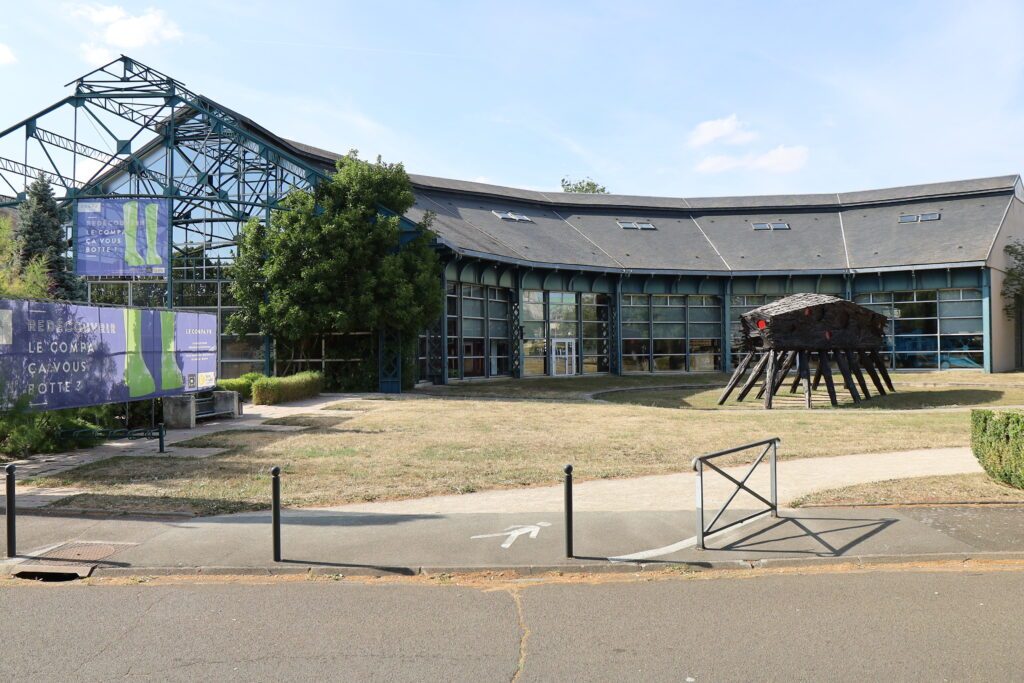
x=771, y=446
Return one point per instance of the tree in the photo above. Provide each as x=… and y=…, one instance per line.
x=40, y=233
x=586, y=186
x=1013, y=284
x=333, y=262
x=20, y=280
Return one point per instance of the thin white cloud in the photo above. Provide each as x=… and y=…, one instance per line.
x=729, y=130
x=6, y=55
x=114, y=29
x=782, y=159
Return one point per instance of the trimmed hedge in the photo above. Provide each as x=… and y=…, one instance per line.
x=243, y=385
x=270, y=390
x=997, y=439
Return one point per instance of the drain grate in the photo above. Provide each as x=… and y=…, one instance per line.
x=78, y=553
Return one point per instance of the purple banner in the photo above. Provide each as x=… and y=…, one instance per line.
x=63, y=355
x=121, y=236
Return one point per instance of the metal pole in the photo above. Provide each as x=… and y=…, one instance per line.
x=275, y=493
x=568, y=511
x=12, y=545
x=774, y=480
x=160, y=435
x=699, y=497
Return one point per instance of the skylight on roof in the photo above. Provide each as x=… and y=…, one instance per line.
x=513, y=216
x=636, y=225
x=909, y=218
x=780, y=226
x=931, y=216
x=770, y=226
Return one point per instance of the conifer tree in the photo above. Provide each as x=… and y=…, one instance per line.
x=41, y=235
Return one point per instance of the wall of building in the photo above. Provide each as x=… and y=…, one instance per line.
x=1006, y=356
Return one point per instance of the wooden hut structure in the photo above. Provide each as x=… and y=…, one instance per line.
x=794, y=331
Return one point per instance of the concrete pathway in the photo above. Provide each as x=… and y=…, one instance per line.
x=676, y=491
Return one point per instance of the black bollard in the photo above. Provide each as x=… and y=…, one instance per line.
x=275, y=494
x=568, y=511
x=12, y=545
x=160, y=435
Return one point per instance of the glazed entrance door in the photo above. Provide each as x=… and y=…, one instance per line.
x=563, y=357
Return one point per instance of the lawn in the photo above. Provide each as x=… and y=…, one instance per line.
x=390, y=449
x=913, y=391
x=949, y=488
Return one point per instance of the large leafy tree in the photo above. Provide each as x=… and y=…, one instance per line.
x=335, y=261
x=586, y=186
x=41, y=235
x=20, y=279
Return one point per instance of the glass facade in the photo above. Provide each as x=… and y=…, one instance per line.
x=477, y=320
x=569, y=324
x=931, y=329
x=928, y=328
x=671, y=333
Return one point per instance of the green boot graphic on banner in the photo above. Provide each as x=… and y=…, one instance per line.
x=170, y=376
x=131, y=234
x=152, y=216
x=136, y=374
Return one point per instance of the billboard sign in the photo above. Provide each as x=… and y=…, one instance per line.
x=122, y=236
x=64, y=355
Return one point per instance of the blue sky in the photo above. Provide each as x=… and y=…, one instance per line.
x=661, y=98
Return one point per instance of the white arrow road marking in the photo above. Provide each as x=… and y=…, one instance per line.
x=515, y=531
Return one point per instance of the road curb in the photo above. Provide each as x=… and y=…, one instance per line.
x=569, y=568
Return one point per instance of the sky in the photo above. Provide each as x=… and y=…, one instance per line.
x=652, y=98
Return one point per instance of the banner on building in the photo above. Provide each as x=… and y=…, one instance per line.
x=122, y=236
x=64, y=355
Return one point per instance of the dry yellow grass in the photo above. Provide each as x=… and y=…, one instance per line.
x=950, y=488
x=391, y=449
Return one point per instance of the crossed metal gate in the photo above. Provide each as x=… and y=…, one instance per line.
x=771, y=447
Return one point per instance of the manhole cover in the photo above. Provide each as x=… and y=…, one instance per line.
x=81, y=552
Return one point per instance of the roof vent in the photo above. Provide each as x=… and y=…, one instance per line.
x=512, y=216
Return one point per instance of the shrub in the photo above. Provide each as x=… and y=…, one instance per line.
x=243, y=384
x=24, y=432
x=997, y=439
x=270, y=390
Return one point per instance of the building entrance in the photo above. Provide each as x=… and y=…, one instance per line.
x=563, y=357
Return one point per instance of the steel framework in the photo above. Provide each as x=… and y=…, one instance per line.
x=130, y=130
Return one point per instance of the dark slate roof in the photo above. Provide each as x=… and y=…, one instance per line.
x=829, y=233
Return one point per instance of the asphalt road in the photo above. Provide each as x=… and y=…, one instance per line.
x=891, y=625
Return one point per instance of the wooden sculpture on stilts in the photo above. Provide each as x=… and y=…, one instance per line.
x=811, y=329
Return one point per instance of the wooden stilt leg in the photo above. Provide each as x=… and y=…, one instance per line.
x=881, y=369
x=869, y=365
x=804, y=375
x=851, y=358
x=776, y=362
x=754, y=374
x=786, y=367
x=736, y=376
x=796, y=380
x=826, y=372
x=817, y=374
x=844, y=368
x=769, y=381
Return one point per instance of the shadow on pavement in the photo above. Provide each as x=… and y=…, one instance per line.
x=402, y=571
x=834, y=536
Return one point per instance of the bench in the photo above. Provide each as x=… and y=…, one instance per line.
x=182, y=412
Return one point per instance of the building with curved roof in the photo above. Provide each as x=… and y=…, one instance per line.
x=549, y=283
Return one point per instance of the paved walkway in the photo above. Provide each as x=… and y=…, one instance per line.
x=674, y=491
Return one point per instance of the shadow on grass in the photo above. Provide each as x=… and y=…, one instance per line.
x=909, y=400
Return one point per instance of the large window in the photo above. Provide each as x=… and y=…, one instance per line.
x=930, y=328
x=671, y=333
x=534, y=318
x=478, y=327
x=595, y=332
